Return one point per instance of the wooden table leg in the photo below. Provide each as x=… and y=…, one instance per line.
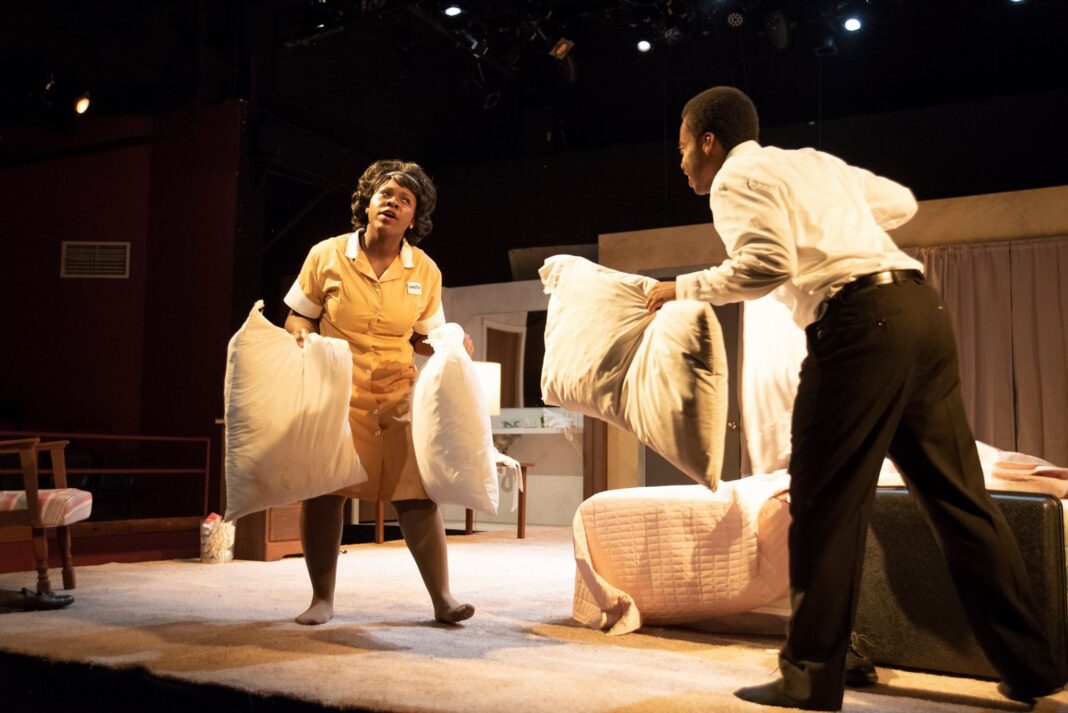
x=380, y=522
x=521, y=521
x=469, y=521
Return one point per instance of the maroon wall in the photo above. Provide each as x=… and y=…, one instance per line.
x=72, y=354
x=138, y=355
x=192, y=223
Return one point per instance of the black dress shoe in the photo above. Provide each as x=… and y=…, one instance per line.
x=859, y=668
x=771, y=694
x=1026, y=695
x=30, y=600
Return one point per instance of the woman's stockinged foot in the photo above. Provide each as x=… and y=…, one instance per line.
x=453, y=612
x=319, y=612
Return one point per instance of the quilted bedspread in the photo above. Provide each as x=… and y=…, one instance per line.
x=680, y=553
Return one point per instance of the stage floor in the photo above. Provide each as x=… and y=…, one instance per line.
x=170, y=635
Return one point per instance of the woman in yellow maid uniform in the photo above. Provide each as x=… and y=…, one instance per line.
x=380, y=293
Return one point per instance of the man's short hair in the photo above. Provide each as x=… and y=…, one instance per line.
x=724, y=111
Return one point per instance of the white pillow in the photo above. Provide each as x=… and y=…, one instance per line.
x=287, y=417
x=662, y=377
x=774, y=347
x=451, y=427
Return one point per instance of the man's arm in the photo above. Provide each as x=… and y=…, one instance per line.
x=751, y=217
x=891, y=203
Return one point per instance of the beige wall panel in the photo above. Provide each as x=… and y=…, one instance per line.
x=1035, y=213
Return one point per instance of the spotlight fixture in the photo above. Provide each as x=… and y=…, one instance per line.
x=644, y=45
x=81, y=103
x=777, y=29
x=852, y=24
x=561, y=48
x=826, y=47
x=735, y=19
x=674, y=36
x=453, y=10
x=476, y=45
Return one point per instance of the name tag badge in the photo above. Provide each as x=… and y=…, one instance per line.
x=415, y=288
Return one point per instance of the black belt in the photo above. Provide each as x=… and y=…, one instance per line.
x=886, y=277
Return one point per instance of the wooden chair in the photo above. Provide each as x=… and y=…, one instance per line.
x=42, y=509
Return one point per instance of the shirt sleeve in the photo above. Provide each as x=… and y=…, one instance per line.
x=750, y=216
x=433, y=315
x=891, y=203
x=306, y=296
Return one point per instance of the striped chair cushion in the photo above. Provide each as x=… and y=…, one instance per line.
x=58, y=507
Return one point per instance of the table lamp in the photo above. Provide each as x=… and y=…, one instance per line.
x=489, y=375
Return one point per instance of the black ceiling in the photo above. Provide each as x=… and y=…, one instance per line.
x=397, y=77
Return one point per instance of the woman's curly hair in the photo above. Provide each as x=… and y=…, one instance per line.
x=407, y=174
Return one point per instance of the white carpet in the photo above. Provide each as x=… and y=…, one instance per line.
x=231, y=624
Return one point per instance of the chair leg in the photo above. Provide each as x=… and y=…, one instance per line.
x=40, y=552
x=63, y=540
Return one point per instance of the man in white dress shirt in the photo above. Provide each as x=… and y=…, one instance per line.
x=881, y=377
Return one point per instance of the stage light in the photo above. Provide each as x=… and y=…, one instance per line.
x=81, y=104
x=453, y=10
x=1017, y=2
x=735, y=19
x=644, y=45
x=826, y=47
x=561, y=48
x=852, y=24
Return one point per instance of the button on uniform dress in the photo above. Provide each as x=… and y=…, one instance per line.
x=377, y=317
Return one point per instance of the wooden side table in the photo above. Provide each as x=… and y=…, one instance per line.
x=469, y=515
x=521, y=517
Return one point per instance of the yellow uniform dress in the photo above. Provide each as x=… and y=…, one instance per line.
x=376, y=316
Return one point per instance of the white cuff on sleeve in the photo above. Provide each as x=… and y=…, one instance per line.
x=300, y=304
x=686, y=286
x=429, y=324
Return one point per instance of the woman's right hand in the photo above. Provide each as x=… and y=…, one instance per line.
x=299, y=326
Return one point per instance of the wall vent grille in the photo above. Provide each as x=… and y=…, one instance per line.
x=95, y=259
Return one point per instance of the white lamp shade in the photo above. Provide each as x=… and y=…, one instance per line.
x=489, y=375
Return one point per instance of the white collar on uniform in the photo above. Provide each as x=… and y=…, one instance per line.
x=352, y=250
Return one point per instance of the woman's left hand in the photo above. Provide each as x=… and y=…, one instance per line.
x=469, y=345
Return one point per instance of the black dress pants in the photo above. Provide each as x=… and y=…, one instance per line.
x=881, y=376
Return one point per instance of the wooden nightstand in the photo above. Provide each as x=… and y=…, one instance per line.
x=269, y=535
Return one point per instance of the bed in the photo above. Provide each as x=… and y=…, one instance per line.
x=685, y=554
x=677, y=553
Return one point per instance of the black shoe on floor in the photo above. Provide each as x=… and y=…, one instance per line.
x=859, y=668
x=29, y=600
x=1026, y=695
x=771, y=694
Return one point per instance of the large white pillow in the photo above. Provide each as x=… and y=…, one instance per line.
x=287, y=417
x=451, y=427
x=662, y=377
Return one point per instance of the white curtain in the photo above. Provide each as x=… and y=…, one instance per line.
x=1009, y=305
